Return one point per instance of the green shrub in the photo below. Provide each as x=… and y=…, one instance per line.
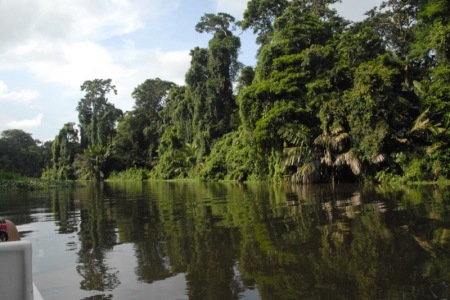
x=130, y=174
x=4, y=175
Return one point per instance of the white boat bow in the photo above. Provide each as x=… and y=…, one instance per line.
x=16, y=278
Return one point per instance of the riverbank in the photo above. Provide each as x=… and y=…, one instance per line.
x=13, y=181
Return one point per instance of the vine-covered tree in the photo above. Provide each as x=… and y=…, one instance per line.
x=65, y=147
x=214, y=109
x=98, y=118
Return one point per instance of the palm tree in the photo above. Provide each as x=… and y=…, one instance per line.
x=337, y=152
x=90, y=164
x=329, y=151
x=303, y=155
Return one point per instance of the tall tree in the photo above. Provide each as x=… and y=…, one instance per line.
x=395, y=21
x=260, y=16
x=97, y=117
x=150, y=96
x=196, y=78
x=212, y=97
x=280, y=93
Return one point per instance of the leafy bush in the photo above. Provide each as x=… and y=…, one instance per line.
x=4, y=175
x=130, y=174
x=24, y=183
x=235, y=157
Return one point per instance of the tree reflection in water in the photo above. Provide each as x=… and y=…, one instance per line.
x=300, y=242
x=97, y=235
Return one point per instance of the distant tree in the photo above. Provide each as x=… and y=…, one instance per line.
x=46, y=153
x=20, y=153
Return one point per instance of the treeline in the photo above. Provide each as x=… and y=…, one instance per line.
x=328, y=99
x=21, y=154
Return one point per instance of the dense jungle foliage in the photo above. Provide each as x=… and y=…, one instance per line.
x=328, y=100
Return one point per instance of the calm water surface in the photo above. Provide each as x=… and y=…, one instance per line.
x=165, y=240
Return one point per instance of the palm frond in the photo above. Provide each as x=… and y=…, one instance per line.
x=307, y=173
x=436, y=129
x=337, y=129
x=419, y=89
x=339, y=141
x=322, y=140
x=431, y=149
x=295, y=134
x=294, y=155
x=421, y=123
x=327, y=159
x=377, y=159
x=350, y=159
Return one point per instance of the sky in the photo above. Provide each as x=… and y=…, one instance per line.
x=48, y=48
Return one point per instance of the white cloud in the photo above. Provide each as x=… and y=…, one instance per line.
x=45, y=30
x=76, y=63
x=171, y=66
x=149, y=63
x=174, y=65
x=27, y=123
x=127, y=67
x=21, y=96
x=143, y=64
x=354, y=10
x=101, y=19
x=233, y=7
x=21, y=20
x=57, y=45
x=66, y=42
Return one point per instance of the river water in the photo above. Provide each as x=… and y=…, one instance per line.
x=191, y=240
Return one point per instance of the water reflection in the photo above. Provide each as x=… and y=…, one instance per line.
x=97, y=235
x=232, y=241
